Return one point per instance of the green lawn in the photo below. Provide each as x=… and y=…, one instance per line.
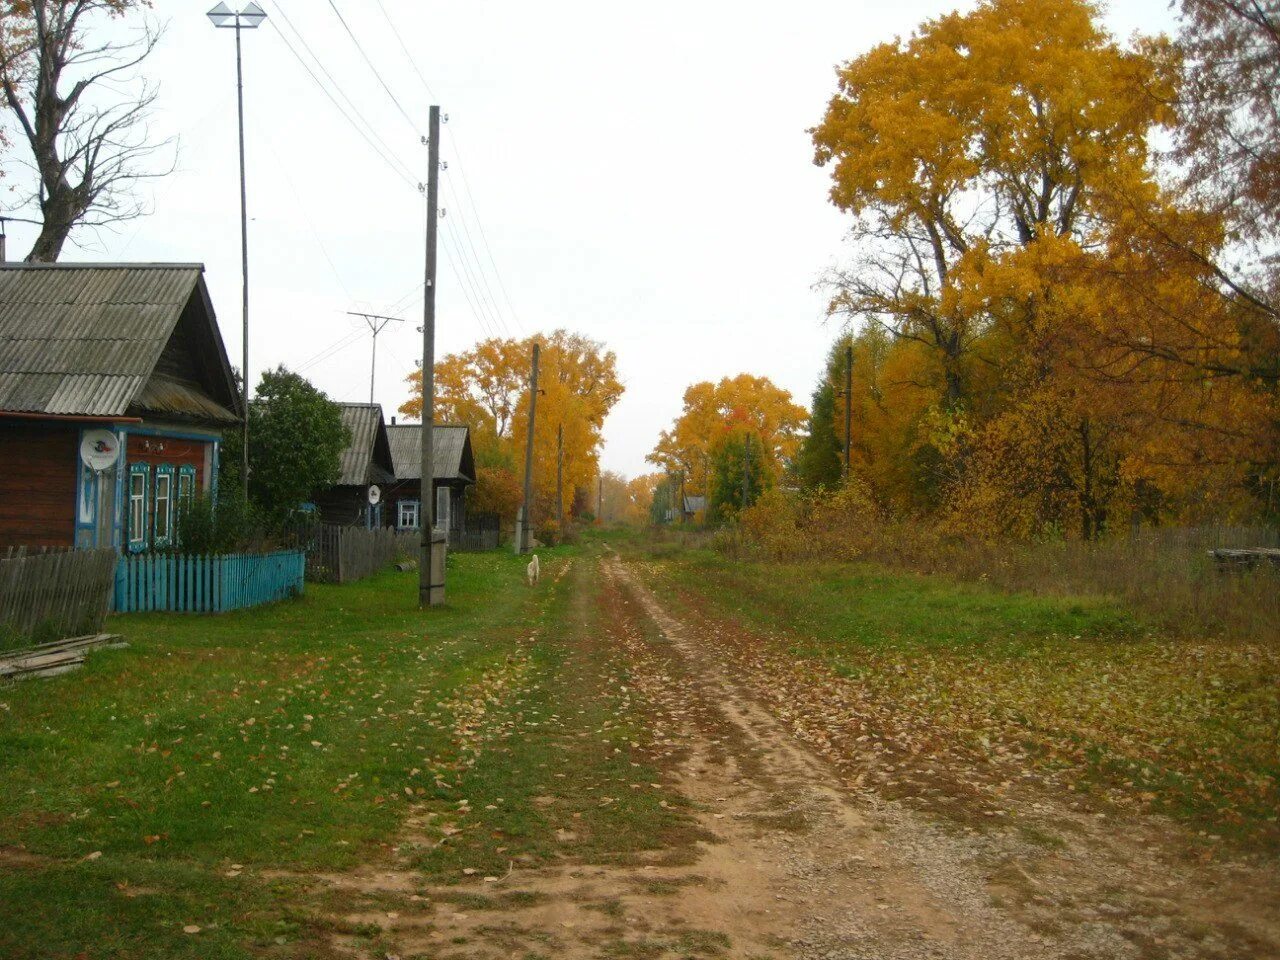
x=1088, y=688
x=195, y=778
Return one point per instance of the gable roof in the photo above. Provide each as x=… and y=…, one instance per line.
x=450, y=451
x=367, y=457
x=84, y=339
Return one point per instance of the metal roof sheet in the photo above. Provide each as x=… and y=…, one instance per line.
x=360, y=463
x=449, y=446
x=83, y=339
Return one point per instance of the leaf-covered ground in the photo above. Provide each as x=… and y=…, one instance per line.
x=173, y=798
x=1075, y=692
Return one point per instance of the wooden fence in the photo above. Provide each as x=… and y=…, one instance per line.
x=479, y=531
x=54, y=594
x=337, y=554
x=206, y=584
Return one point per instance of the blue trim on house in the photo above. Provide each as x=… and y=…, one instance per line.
x=174, y=434
x=86, y=493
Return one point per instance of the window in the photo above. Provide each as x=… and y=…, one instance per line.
x=162, y=521
x=408, y=519
x=139, y=473
x=186, y=484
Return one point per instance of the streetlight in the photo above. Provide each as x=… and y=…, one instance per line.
x=249, y=18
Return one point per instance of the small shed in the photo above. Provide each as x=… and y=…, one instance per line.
x=366, y=461
x=125, y=359
x=454, y=471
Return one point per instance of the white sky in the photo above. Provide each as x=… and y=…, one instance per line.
x=642, y=175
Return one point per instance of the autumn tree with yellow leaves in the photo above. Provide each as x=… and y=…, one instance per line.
x=1046, y=307
x=715, y=414
x=487, y=388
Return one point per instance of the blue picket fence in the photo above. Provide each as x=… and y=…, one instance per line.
x=207, y=584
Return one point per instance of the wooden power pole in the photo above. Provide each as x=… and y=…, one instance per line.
x=848, y=403
x=523, y=538
x=433, y=543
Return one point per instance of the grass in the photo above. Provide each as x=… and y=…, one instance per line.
x=164, y=786
x=1084, y=685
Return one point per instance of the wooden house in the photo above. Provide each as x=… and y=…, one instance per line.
x=454, y=471
x=115, y=390
x=366, y=462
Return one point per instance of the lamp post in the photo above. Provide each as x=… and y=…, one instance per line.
x=249, y=18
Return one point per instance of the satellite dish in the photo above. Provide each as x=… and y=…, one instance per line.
x=99, y=449
x=375, y=494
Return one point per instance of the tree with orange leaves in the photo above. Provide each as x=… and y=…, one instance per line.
x=487, y=388
x=713, y=411
x=1054, y=306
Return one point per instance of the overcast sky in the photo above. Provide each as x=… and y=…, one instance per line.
x=639, y=173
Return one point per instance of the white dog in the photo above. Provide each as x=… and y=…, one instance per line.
x=533, y=572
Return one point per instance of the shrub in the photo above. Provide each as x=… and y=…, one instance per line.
x=226, y=523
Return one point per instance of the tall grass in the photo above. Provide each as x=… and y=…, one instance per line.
x=1167, y=573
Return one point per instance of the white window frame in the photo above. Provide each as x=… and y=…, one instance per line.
x=162, y=507
x=411, y=509
x=139, y=475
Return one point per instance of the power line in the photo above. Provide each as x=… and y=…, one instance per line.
x=399, y=167
x=476, y=278
x=306, y=214
x=466, y=183
x=329, y=351
x=405, y=50
x=466, y=231
x=484, y=239
x=465, y=286
x=394, y=99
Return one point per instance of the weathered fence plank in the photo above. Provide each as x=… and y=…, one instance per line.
x=63, y=592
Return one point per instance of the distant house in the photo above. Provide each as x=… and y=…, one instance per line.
x=694, y=506
x=454, y=471
x=365, y=462
x=117, y=365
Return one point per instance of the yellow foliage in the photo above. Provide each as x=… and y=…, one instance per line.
x=713, y=411
x=487, y=387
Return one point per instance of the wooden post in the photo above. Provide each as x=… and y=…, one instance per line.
x=523, y=537
x=431, y=553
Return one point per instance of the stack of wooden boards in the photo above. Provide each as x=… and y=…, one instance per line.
x=51, y=659
x=1246, y=559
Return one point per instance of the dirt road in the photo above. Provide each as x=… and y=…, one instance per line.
x=799, y=859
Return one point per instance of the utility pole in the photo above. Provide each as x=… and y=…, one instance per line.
x=433, y=543
x=848, y=403
x=600, y=500
x=523, y=539
x=560, y=478
x=376, y=322
x=249, y=18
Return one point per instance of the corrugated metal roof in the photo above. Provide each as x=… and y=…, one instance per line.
x=83, y=339
x=360, y=460
x=450, y=444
